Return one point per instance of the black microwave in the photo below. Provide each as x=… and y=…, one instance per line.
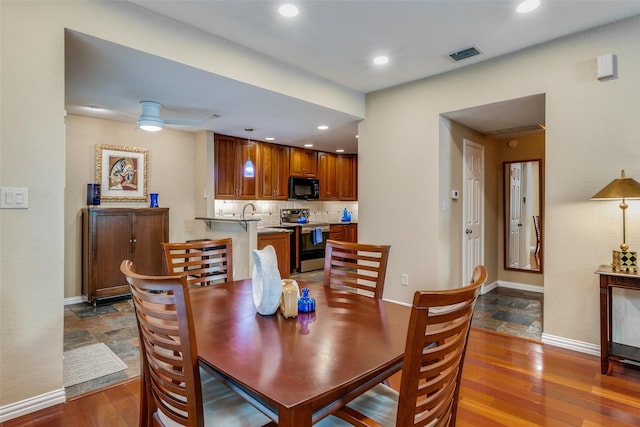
x=303, y=188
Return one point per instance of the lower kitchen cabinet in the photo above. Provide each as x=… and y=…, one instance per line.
x=344, y=232
x=111, y=235
x=280, y=242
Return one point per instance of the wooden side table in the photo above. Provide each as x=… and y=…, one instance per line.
x=610, y=350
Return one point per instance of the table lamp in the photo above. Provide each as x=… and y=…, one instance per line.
x=622, y=188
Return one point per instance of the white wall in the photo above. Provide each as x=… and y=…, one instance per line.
x=592, y=132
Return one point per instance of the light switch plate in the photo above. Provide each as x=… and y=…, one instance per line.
x=14, y=198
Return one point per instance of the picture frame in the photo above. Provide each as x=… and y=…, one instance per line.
x=123, y=173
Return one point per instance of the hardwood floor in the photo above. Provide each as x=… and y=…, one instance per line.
x=507, y=381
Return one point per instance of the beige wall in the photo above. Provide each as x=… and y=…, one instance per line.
x=32, y=154
x=172, y=174
x=592, y=129
x=591, y=134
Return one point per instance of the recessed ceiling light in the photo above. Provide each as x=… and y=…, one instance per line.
x=288, y=10
x=323, y=127
x=380, y=60
x=339, y=150
x=269, y=138
x=528, y=6
x=308, y=145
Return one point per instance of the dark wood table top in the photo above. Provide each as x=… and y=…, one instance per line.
x=298, y=370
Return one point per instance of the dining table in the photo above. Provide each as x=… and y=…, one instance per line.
x=298, y=370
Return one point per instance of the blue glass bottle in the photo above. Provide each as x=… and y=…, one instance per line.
x=306, y=304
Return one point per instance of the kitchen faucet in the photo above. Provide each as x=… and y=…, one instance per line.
x=253, y=209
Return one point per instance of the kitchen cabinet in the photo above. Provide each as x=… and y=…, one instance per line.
x=303, y=162
x=344, y=232
x=327, y=175
x=111, y=235
x=273, y=172
x=347, y=177
x=231, y=154
x=280, y=242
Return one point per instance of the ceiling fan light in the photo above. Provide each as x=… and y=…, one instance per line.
x=150, y=124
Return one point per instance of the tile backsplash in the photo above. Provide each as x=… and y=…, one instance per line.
x=269, y=211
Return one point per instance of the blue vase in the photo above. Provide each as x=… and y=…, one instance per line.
x=154, y=200
x=306, y=304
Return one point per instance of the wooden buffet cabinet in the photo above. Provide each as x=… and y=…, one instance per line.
x=111, y=235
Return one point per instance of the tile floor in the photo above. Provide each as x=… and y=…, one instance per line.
x=510, y=311
x=112, y=323
x=503, y=310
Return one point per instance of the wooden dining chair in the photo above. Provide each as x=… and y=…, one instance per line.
x=357, y=267
x=538, y=228
x=432, y=365
x=174, y=390
x=203, y=262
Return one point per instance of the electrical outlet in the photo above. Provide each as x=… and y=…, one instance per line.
x=404, y=279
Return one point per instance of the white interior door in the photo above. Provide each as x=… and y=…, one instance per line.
x=515, y=222
x=473, y=208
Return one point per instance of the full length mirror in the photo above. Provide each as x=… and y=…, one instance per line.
x=523, y=216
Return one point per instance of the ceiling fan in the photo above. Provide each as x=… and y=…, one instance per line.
x=151, y=121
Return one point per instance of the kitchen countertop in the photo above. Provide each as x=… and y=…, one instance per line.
x=273, y=230
x=228, y=219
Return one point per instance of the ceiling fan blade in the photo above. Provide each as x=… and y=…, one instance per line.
x=181, y=122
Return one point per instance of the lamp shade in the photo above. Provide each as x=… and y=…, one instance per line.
x=249, y=171
x=619, y=188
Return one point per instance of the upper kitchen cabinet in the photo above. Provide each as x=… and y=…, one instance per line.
x=347, y=173
x=231, y=154
x=303, y=163
x=274, y=172
x=327, y=175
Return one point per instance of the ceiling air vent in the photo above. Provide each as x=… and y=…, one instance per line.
x=464, y=53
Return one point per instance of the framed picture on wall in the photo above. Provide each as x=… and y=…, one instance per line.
x=123, y=172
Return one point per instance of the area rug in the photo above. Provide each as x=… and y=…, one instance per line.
x=89, y=362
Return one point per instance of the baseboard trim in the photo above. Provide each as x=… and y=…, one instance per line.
x=75, y=300
x=33, y=404
x=488, y=287
x=569, y=344
x=521, y=286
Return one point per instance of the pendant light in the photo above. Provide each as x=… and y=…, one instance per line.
x=249, y=171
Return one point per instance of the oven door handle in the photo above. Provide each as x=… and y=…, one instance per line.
x=309, y=230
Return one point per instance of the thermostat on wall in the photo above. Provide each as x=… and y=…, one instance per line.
x=455, y=194
x=606, y=67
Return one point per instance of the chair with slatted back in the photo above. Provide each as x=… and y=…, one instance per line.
x=432, y=365
x=204, y=262
x=356, y=267
x=175, y=391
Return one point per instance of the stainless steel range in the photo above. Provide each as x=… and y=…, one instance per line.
x=312, y=240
